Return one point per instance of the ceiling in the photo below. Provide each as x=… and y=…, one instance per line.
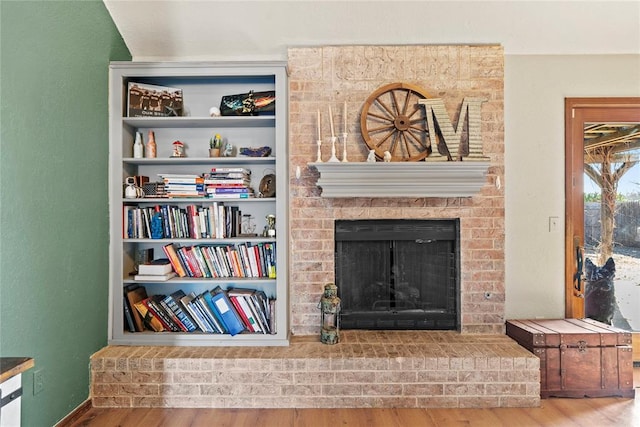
x=263, y=30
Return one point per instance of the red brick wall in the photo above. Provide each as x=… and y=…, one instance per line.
x=327, y=76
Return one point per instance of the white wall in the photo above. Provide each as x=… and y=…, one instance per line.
x=535, y=89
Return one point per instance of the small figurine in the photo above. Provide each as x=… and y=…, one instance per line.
x=387, y=156
x=270, y=228
x=214, y=112
x=371, y=158
x=178, y=149
x=228, y=150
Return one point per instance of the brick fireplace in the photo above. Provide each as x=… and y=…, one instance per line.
x=480, y=367
x=323, y=77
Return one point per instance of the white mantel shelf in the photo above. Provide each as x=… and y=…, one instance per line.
x=401, y=179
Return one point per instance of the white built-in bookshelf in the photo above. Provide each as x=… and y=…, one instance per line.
x=203, y=85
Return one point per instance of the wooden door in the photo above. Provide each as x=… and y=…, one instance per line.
x=579, y=111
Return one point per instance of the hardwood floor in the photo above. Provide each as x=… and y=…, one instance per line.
x=597, y=412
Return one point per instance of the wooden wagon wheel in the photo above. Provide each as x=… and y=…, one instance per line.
x=393, y=121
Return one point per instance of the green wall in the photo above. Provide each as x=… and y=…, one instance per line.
x=54, y=58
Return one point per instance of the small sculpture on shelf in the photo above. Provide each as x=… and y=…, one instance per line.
x=371, y=157
x=132, y=191
x=151, y=150
x=228, y=150
x=138, y=146
x=270, y=228
x=267, y=185
x=178, y=149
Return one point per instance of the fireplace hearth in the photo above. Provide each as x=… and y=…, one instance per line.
x=398, y=274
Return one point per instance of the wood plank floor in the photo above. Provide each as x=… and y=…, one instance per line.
x=597, y=412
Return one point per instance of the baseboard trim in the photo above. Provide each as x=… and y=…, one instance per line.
x=76, y=414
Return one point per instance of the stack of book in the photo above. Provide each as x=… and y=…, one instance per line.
x=217, y=311
x=183, y=185
x=158, y=270
x=229, y=183
x=222, y=261
x=215, y=221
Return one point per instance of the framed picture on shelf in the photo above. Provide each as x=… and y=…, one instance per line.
x=248, y=104
x=145, y=100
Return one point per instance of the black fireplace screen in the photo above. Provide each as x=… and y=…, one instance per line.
x=398, y=274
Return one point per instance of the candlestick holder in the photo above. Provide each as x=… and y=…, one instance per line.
x=333, y=150
x=344, y=147
x=319, y=143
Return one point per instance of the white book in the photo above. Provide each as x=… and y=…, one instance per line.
x=156, y=267
x=154, y=277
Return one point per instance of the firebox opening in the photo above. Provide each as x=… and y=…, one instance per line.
x=398, y=274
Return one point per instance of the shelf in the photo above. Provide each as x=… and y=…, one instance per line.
x=199, y=160
x=227, y=240
x=177, y=200
x=200, y=122
x=212, y=280
x=198, y=339
x=406, y=179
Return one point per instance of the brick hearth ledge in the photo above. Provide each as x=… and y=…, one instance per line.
x=381, y=369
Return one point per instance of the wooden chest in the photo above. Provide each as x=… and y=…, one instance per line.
x=578, y=357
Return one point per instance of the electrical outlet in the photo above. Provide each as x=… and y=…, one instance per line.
x=38, y=381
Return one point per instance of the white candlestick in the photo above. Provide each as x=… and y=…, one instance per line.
x=344, y=118
x=319, y=125
x=333, y=135
x=344, y=147
x=333, y=157
x=319, y=143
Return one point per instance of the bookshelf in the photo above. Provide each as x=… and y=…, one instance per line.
x=203, y=85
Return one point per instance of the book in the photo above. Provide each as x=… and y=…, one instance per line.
x=153, y=304
x=229, y=190
x=128, y=317
x=229, y=316
x=155, y=277
x=209, y=313
x=231, y=196
x=231, y=169
x=174, y=301
x=150, y=321
x=187, y=302
x=171, y=252
x=251, y=307
x=135, y=293
x=162, y=302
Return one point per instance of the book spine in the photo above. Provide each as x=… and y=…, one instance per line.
x=157, y=313
x=128, y=317
x=208, y=314
x=196, y=316
x=173, y=304
x=185, y=262
x=170, y=252
x=175, y=321
x=199, y=316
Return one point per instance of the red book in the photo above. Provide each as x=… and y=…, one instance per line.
x=243, y=316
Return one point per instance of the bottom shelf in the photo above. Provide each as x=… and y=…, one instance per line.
x=199, y=339
x=231, y=316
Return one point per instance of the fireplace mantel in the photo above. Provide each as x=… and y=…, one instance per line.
x=401, y=179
